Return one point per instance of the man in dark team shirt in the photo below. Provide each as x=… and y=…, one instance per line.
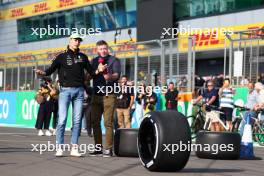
x=70, y=65
x=106, y=76
x=171, y=97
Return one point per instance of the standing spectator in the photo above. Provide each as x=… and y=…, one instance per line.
x=261, y=78
x=44, y=112
x=108, y=70
x=124, y=103
x=226, y=95
x=171, y=97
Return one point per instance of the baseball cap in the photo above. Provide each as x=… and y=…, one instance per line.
x=76, y=36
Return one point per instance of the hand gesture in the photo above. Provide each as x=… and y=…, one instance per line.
x=40, y=72
x=101, y=68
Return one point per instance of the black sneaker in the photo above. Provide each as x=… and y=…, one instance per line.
x=108, y=153
x=96, y=153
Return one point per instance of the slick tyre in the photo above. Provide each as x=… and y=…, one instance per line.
x=218, y=145
x=159, y=135
x=125, y=142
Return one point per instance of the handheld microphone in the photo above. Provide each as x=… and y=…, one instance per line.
x=102, y=61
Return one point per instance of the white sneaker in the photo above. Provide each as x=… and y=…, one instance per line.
x=75, y=152
x=48, y=133
x=40, y=133
x=59, y=152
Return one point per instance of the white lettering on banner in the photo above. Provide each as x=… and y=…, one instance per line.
x=4, y=109
x=29, y=109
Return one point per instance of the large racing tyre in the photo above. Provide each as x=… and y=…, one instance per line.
x=218, y=145
x=159, y=138
x=125, y=142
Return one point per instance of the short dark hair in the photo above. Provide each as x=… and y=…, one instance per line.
x=101, y=42
x=171, y=83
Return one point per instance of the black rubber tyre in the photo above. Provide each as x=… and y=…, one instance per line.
x=159, y=134
x=218, y=145
x=125, y=142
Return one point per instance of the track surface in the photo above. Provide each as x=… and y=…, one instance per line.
x=16, y=158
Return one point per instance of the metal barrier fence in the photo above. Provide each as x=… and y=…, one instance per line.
x=156, y=61
x=251, y=44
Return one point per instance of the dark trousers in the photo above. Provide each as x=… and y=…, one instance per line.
x=55, y=110
x=86, y=113
x=44, y=115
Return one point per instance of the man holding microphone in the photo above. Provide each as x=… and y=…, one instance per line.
x=70, y=65
x=106, y=77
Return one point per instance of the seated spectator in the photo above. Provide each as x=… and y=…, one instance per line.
x=210, y=97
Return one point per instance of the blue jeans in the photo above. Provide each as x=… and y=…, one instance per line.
x=243, y=121
x=84, y=122
x=75, y=96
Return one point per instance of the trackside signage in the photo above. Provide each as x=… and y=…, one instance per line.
x=21, y=109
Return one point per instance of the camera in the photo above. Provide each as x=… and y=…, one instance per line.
x=44, y=81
